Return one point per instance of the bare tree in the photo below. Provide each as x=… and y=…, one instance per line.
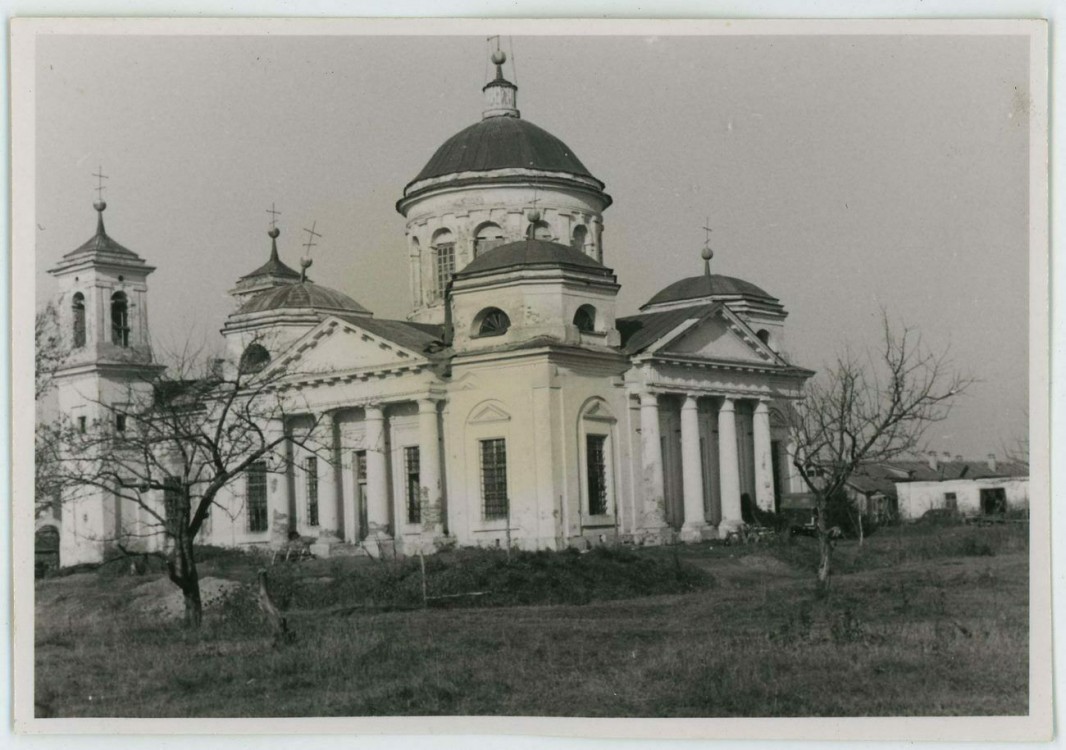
x=172, y=446
x=869, y=409
x=49, y=355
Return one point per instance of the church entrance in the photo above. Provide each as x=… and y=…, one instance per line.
x=359, y=469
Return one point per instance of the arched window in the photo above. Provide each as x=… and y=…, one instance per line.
x=581, y=235
x=254, y=359
x=120, y=319
x=443, y=261
x=79, y=319
x=595, y=444
x=585, y=319
x=487, y=237
x=492, y=321
x=764, y=336
x=541, y=231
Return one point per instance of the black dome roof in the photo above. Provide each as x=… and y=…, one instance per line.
x=533, y=253
x=713, y=285
x=501, y=143
x=301, y=295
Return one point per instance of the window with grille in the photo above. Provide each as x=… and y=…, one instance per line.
x=494, y=478
x=414, y=487
x=256, y=485
x=951, y=501
x=596, y=468
x=445, y=259
x=79, y=320
x=311, y=467
x=120, y=320
x=172, y=502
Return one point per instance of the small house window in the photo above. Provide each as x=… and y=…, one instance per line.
x=81, y=425
x=585, y=319
x=256, y=485
x=596, y=468
x=311, y=468
x=951, y=502
x=413, y=483
x=120, y=319
x=494, y=478
x=488, y=237
x=79, y=320
x=494, y=322
x=120, y=422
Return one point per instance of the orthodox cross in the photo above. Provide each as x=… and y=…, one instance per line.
x=495, y=37
x=273, y=215
x=707, y=230
x=100, y=177
x=311, y=235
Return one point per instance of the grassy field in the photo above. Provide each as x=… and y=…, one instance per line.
x=924, y=621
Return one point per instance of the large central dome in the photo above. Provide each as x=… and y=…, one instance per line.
x=502, y=143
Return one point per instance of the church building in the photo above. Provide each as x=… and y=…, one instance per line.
x=514, y=405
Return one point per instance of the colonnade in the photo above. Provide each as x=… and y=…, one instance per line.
x=653, y=512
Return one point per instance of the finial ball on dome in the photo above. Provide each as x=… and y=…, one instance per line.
x=707, y=253
x=273, y=233
x=100, y=205
x=499, y=57
x=534, y=215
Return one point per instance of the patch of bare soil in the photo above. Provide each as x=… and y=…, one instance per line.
x=161, y=598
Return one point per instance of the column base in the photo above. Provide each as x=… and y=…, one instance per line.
x=694, y=533
x=324, y=545
x=380, y=545
x=729, y=526
x=655, y=536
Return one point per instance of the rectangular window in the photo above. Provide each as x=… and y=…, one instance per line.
x=414, y=488
x=81, y=425
x=311, y=467
x=172, y=501
x=494, y=478
x=596, y=468
x=257, y=496
x=445, y=259
x=951, y=501
x=120, y=422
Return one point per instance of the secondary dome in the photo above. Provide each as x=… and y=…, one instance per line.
x=502, y=143
x=305, y=295
x=532, y=253
x=707, y=285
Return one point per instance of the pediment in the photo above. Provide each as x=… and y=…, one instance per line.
x=338, y=347
x=719, y=336
x=488, y=412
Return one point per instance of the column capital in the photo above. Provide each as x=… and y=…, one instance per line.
x=428, y=403
x=690, y=401
x=649, y=398
x=727, y=404
x=374, y=411
x=762, y=405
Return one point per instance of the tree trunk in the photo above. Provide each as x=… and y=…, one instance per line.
x=183, y=570
x=825, y=551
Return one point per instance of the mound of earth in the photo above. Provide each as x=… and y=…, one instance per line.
x=161, y=598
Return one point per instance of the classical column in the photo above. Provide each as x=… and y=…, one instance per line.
x=377, y=478
x=764, y=464
x=279, y=494
x=328, y=516
x=728, y=468
x=429, y=466
x=692, y=471
x=653, y=516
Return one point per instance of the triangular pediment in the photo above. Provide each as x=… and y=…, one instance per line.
x=489, y=412
x=338, y=347
x=718, y=336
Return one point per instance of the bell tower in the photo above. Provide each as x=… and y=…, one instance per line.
x=102, y=307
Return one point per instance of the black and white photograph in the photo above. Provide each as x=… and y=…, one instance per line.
x=678, y=371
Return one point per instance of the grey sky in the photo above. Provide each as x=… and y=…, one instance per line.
x=840, y=173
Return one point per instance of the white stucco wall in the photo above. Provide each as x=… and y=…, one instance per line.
x=916, y=498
